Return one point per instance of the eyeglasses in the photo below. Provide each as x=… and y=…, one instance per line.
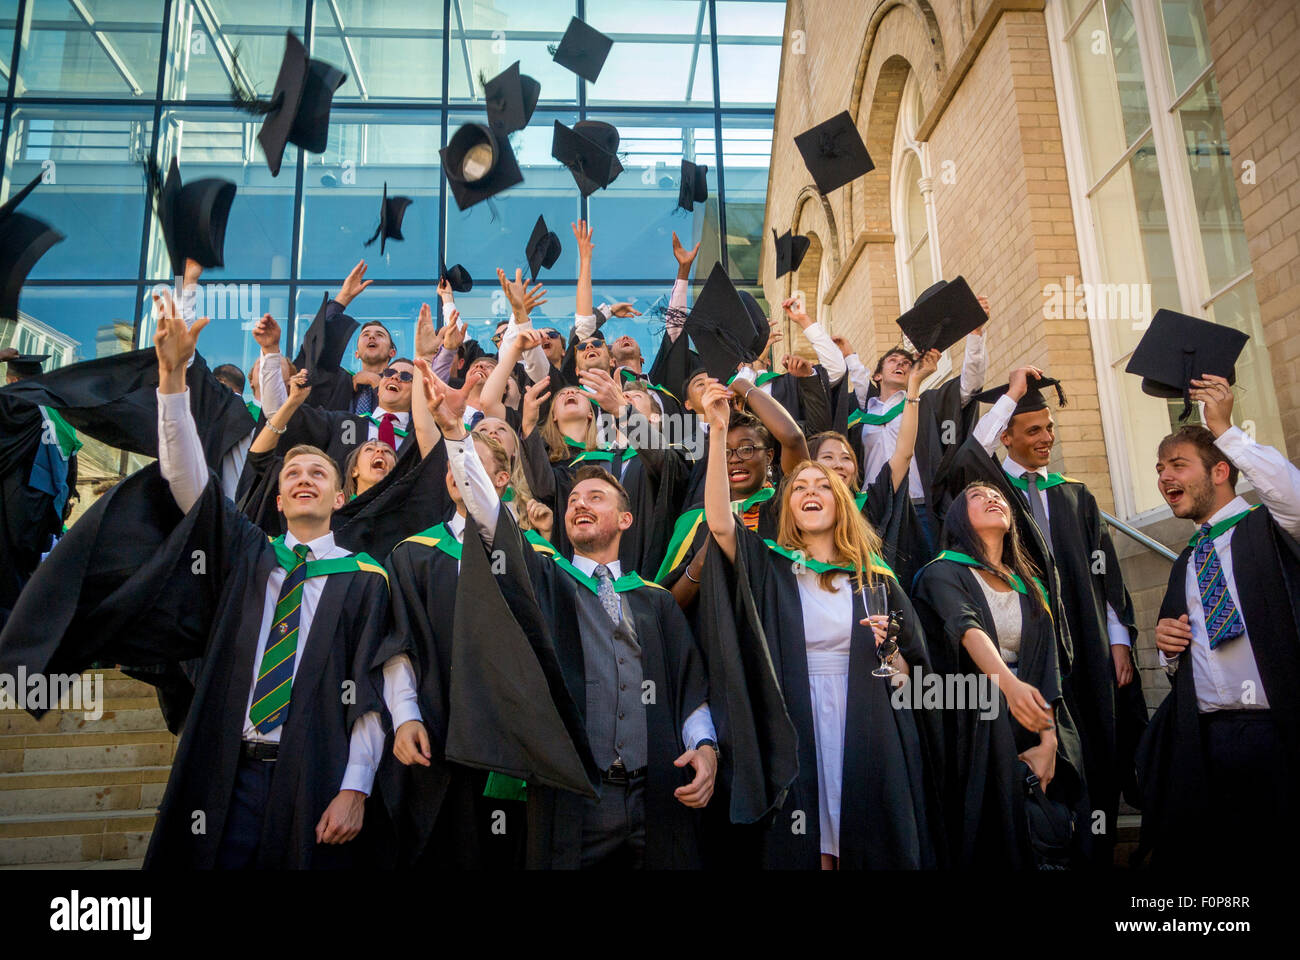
x=743, y=452
x=551, y=334
x=496, y=338
x=588, y=345
x=393, y=373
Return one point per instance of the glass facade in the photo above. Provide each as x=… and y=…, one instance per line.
x=96, y=87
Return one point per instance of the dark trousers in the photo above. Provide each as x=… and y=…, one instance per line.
x=929, y=536
x=613, y=827
x=243, y=830
x=1249, y=786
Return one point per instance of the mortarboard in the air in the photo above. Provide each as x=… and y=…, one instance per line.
x=944, y=313
x=299, y=109
x=479, y=164
x=511, y=99
x=790, y=250
x=324, y=343
x=23, y=241
x=1033, y=399
x=391, y=212
x=458, y=277
x=677, y=366
x=26, y=364
x=834, y=152
x=694, y=185
x=543, y=248
x=720, y=326
x=590, y=151
x=1177, y=348
x=759, y=319
x=192, y=215
x=583, y=50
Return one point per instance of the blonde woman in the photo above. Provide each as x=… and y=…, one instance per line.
x=860, y=797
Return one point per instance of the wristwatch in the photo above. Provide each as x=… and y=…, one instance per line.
x=706, y=742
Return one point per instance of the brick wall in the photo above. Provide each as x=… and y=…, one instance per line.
x=1256, y=45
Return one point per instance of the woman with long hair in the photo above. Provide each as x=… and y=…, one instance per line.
x=366, y=466
x=859, y=799
x=987, y=615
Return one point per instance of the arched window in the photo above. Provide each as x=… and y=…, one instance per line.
x=912, y=202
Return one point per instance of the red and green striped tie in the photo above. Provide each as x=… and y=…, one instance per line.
x=275, y=675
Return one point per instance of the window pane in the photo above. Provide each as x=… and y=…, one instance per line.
x=746, y=155
x=390, y=50
x=1129, y=213
x=344, y=188
x=96, y=48
x=1189, y=42
x=1214, y=187
x=635, y=217
x=1255, y=406
x=223, y=143
x=749, y=51
x=495, y=232
x=487, y=38
x=661, y=52
x=8, y=24
x=93, y=190
x=1111, y=94
x=220, y=39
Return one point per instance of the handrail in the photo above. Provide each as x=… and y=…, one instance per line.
x=1140, y=537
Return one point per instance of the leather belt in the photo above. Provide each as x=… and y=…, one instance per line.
x=617, y=773
x=259, y=750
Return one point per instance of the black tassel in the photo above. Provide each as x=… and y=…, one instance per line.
x=241, y=97
x=552, y=48
x=375, y=236
x=153, y=179
x=492, y=210
x=1060, y=394
x=1189, y=358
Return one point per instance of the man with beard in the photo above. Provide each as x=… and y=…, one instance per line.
x=637, y=676
x=1220, y=761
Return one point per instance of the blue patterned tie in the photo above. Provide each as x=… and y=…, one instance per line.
x=1222, y=622
x=366, y=401
x=607, y=594
x=275, y=674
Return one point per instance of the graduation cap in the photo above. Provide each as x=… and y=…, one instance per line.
x=759, y=319
x=943, y=314
x=1177, y=348
x=391, y=212
x=834, y=152
x=720, y=325
x=790, y=250
x=458, y=277
x=192, y=216
x=1033, y=399
x=583, y=50
x=590, y=151
x=511, y=99
x=324, y=343
x=299, y=109
x=694, y=185
x=543, y=248
x=479, y=164
x=23, y=241
x=24, y=364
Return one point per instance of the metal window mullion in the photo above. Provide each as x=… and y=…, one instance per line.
x=441, y=219
x=141, y=274
x=300, y=173
x=13, y=78
x=717, y=140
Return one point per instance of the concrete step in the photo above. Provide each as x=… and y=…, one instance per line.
x=131, y=863
x=33, y=753
x=118, y=713
x=118, y=684
x=72, y=837
x=82, y=791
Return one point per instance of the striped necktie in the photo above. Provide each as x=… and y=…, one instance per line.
x=1222, y=622
x=275, y=675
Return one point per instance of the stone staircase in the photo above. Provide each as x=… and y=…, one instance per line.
x=83, y=794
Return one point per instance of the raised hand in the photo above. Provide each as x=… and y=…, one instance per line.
x=445, y=292
x=353, y=285
x=1216, y=394
x=605, y=389
x=683, y=256
x=453, y=332
x=797, y=366
x=427, y=339
x=174, y=344
x=266, y=333
x=541, y=517
x=582, y=232
x=793, y=308
x=298, y=389
x=846, y=348
x=717, y=404
x=1018, y=382
x=523, y=299
x=623, y=309
x=925, y=365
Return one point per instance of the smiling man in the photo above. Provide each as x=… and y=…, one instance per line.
x=1225, y=740
x=1062, y=528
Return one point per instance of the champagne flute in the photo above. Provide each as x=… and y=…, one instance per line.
x=876, y=601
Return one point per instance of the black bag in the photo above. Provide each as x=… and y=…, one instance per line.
x=1050, y=824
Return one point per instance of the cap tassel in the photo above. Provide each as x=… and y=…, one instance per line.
x=1060, y=394
x=1189, y=358
x=154, y=180
x=244, y=99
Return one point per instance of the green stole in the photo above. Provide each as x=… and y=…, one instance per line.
x=1222, y=526
x=877, y=564
x=877, y=419
x=689, y=522
x=357, y=562
x=1017, y=584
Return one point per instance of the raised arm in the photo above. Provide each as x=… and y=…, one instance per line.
x=677, y=299
x=584, y=318
x=266, y=332
x=180, y=451
x=476, y=490
x=901, y=462
x=275, y=426
x=975, y=361
x=992, y=424
x=427, y=433
x=828, y=354
x=717, y=490
x=779, y=423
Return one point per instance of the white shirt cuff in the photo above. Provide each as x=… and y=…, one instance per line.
x=699, y=726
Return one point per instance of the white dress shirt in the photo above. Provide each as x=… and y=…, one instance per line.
x=828, y=355
x=1223, y=675
x=403, y=422
x=859, y=376
x=180, y=459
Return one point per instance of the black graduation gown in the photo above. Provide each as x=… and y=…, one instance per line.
x=691, y=529
x=1180, y=829
x=28, y=520
x=888, y=798
x=892, y=516
x=944, y=425
x=671, y=660
x=337, y=432
x=170, y=608
x=984, y=805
